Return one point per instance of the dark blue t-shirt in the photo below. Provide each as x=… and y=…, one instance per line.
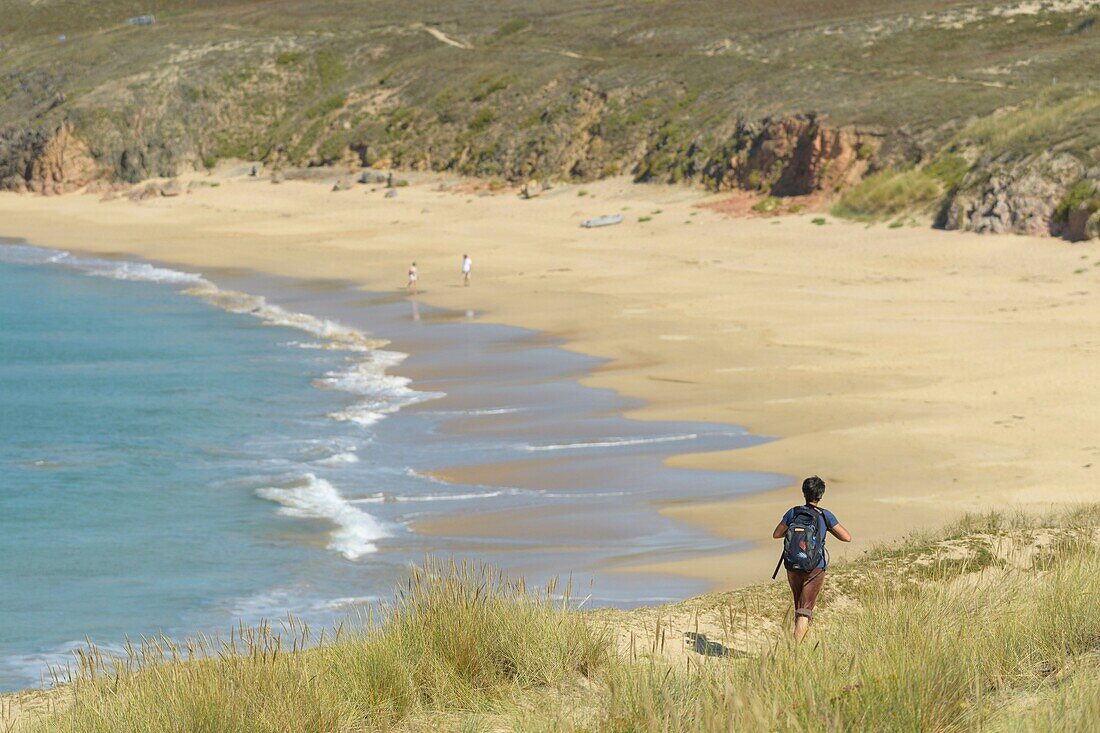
x=824, y=517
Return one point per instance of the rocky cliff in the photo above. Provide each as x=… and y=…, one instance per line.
x=46, y=162
x=1016, y=197
x=797, y=156
x=775, y=100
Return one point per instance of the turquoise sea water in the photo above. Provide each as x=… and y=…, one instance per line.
x=136, y=428
x=177, y=456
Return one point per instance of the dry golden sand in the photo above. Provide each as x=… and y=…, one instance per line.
x=921, y=373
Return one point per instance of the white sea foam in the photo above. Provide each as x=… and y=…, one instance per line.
x=366, y=378
x=385, y=393
x=318, y=449
x=311, y=497
x=28, y=254
x=480, y=412
x=582, y=495
x=380, y=394
x=338, y=459
x=115, y=269
x=277, y=602
x=256, y=305
x=366, y=375
x=359, y=415
x=413, y=473
x=34, y=668
x=382, y=498
x=612, y=443
x=344, y=604
x=511, y=491
x=328, y=346
x=139, y=271
x=230, y=300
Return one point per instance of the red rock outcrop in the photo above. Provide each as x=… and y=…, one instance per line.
x=61, y=164
x=797, y=156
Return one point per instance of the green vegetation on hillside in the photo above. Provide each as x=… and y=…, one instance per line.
x=888, y=193
x=663, y=91
x=1082, y=195
x=1068, y=123
x=990, y=625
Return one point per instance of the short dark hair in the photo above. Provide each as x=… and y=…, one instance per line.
x=813, y=489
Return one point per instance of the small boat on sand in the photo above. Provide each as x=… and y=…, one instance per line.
x=602, y=221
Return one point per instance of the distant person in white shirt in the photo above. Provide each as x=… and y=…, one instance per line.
x=412, y=278
x=467, y=263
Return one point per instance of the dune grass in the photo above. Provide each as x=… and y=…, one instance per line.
x=887, y=194
x=1070, y=704
x=991, y=624
x=890, y=193
x=457, y=637
x=941, y=656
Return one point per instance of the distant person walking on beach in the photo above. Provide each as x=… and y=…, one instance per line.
x=803, y=530
x=467, y=263
x=412, y=287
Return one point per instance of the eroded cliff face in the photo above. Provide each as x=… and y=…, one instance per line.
x=47, y=163
x=798, y=156
x=63, y=164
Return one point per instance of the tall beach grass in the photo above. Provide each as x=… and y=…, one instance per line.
x=937, y=656
x=992, y=624
x=457, y=637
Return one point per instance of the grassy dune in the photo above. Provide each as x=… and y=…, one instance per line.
x=989, y=625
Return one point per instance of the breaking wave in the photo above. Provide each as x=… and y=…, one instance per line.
x=383, y=394
x=378, y=394
x=309, y=497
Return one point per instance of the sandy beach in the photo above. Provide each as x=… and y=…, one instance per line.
x=921, y=373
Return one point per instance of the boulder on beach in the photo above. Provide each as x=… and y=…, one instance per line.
x=171, y=188
x=141, y=193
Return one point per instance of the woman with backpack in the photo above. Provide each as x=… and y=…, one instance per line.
x=803, y=530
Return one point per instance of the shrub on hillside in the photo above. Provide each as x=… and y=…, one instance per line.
x=886, y=194
x=1083, y=193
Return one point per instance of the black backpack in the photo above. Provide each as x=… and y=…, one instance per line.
x=804, y=543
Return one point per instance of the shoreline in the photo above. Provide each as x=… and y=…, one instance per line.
x=287, y=304
x=797, y=335
x=580, y=471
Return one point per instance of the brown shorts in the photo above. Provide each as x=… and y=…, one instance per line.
x=806, y=587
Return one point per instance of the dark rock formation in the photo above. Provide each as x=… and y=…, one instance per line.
x=1018, y=197
x=1083, y=224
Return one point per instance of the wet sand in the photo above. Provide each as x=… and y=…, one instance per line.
x=586, y=505
x=919, y=372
